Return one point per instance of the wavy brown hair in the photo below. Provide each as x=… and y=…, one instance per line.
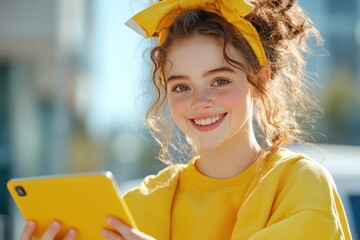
x=283, y=99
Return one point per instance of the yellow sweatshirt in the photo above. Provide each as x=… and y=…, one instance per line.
x=287, y=197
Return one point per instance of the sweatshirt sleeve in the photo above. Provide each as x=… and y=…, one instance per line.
x=295, y=199
x=306, y=206
x=307, y=224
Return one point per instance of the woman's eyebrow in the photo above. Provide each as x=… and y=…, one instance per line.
x=177, y=77
x=217, y=70
x=205, y=74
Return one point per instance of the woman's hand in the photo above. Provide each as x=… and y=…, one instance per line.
x=123, y=231
x=49, y=234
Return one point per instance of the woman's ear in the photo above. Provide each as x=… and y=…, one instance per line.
x=265, y=72
x=264, y=75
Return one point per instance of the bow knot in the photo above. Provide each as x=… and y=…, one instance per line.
x=153, y=20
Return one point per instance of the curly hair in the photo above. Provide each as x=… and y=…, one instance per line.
x=283, y=99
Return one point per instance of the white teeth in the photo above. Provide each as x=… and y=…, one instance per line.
x=207, y=121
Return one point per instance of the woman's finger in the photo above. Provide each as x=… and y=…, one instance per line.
x=51, y=231
x=122, y=228
x=71, y=234
x=28, y=231
x=126, y=231
x=111, y=235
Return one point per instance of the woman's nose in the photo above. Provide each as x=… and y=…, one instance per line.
x=201, y=100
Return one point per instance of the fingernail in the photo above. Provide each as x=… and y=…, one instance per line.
x=104, y=233
x=55, y=224
x=72, y=232
x=110, y=220
x=31, y=224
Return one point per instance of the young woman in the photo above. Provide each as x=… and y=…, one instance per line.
x=219, y=65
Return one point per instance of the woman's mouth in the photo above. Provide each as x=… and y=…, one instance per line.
x=208, y=123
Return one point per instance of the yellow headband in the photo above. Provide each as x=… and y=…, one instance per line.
x=154, y=20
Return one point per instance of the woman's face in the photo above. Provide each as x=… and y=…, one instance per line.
x=209, y=99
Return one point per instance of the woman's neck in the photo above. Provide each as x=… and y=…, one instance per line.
x=231, y=158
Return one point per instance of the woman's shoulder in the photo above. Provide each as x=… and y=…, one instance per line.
x=169, y=173
x=293, y=182
x=291, y=167
x=165, y=178
x=286, y=158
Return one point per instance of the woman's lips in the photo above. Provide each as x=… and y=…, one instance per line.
x=208, y=123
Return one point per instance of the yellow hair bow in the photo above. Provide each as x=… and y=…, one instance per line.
x=155, y=19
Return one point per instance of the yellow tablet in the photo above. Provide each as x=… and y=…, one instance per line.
x=82, y=201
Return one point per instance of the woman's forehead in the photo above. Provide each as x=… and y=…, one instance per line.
x=204, y=52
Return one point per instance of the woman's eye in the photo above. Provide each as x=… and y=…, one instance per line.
x=180, y=88
x=220, y=82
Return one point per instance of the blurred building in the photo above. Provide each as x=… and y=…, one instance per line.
x=338, y=66
x=68, y=99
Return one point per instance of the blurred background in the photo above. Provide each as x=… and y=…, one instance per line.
x=74, y=90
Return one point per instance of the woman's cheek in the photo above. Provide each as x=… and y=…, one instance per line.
x=178, y=108
x=235, y=98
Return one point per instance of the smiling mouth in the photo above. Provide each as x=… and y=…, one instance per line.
x=208, y=121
